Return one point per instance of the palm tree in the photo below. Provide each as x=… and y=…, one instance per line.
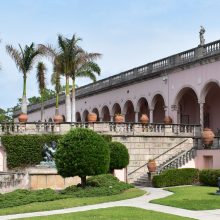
x=72, y=62
x=55, y=80
x=41, y=79
x=83, y=66
x=24, y=59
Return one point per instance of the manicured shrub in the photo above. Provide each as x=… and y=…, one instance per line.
x=101, y=185
x=107, y=137
x=119, y=156
x=82, y=152
x=176, y=177
x=25, y=150
x=209, y=177
x=23, y=197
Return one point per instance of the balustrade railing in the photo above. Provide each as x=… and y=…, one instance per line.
x=10, y=180
x=199, y=145
x=111, y=128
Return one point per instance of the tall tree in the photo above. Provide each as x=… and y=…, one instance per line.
x=55, y=80
x=41, y=79
x=24, y=59
x=83, y=65
x=72, y=62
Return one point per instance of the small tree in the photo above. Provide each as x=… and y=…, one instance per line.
x=119, y=156
x=82, y=152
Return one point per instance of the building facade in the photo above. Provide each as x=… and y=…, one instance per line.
x=184, y=86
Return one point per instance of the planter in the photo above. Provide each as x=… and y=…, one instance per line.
x=119, y=119
x=23, y=118
x=207, y=136
x=144, y=119
x=58, y=119
x=92, y=117
x=152, y=166
x=168, y=120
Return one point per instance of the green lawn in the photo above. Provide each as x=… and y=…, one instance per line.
x=70, y=202
x=192, y=198
x=117, y=213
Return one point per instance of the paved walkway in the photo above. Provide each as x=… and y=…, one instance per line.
x=140, y=202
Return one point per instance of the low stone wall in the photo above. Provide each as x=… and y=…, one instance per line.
x=42, y=178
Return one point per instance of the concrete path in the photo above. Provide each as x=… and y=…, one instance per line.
x=140, y=202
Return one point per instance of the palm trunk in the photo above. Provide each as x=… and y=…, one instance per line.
x=73, y=102
x=57, y=104
x=42, y=108
x=68, y=101
x=24, y=99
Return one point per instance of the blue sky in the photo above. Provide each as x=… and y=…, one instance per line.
x=127, y=32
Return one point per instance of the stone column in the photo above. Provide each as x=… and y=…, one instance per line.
x=136, y=117
x=111, y=118
x=201, y=113
x=151, y=115
x=166, y=110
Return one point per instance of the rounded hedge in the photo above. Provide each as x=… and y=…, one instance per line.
x=176, y=177
x=82, y=152
x=209, y=177
x=119, y=156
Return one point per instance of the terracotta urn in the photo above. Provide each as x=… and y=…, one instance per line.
x=152, y=166
x=144, y=119
x=119, y=118
x=207, y=136
x=58, y=119
x=23, y=118
x=168, y=120
x=92, y=117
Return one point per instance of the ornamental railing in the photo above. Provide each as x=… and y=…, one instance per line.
x=110, y=128
x=199, y=145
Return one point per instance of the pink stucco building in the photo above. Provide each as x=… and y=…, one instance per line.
x=184, y=86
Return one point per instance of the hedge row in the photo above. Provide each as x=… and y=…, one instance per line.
x=176, y=177
x=187, y=176
x=25, y=150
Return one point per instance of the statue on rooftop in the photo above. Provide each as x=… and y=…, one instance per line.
x=201, y=35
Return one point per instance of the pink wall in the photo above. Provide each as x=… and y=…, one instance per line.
x=196, y=77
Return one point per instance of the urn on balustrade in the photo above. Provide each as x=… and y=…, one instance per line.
x=92, y=117
x=58, y=119
x=119, y=118
x=144, y=119
x=22, y=118
x=152, y=166
x=207, y=136
x=168, y=120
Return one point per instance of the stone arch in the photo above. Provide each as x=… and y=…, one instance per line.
x=116, y=109
x=128, y=110
x=142, y=107
x=85, y=115
x=188, y=106
x=154, y=97
x=206, y=89
x=210, y=96
x=158, y=107
x=181, y=92
x=105, y=113
x=96, y=111
x=78, y=117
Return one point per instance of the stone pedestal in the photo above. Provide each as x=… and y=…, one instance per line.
x=150, y=176
x=42, y=178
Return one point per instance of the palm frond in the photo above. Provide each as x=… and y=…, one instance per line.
x=16, y=56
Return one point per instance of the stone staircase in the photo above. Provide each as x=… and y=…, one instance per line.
x=175, y=157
